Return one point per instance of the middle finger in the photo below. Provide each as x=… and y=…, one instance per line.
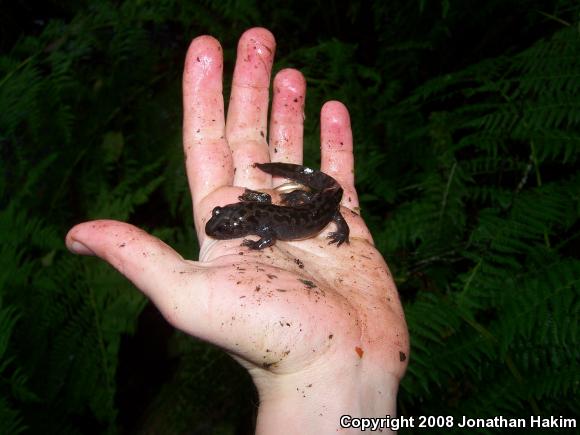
x=246, y=125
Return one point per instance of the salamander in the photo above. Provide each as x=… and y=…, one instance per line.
x=303, y=213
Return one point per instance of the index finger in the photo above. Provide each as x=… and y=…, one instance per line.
x=208, y=158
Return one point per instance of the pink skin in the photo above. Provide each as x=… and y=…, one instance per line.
x=320, y=328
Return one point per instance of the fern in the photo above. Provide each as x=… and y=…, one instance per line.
x=10, y=419
x=500, y=337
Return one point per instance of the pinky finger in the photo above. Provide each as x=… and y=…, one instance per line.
x=337, y=150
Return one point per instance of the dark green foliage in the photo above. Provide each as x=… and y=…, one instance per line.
x=486, y=231
x=466, y=125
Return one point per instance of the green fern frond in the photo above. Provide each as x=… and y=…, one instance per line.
x=132, y=191
x=11, y=422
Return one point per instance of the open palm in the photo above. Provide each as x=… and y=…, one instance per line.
x=294, y=308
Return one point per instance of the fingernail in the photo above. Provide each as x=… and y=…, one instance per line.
x=79, y=248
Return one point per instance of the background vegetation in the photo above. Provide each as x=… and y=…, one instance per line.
x=466, y=118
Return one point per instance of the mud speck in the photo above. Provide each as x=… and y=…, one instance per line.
x=307, y=283
x=299, y=263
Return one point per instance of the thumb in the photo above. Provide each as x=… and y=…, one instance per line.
x=149, y=263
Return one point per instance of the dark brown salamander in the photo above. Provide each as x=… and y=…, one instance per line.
x=303, y=214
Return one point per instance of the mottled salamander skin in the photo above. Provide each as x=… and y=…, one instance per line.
x=303, y=214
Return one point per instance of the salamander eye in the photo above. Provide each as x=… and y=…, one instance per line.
x=216, y=211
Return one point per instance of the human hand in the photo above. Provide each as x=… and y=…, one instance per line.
x=320, y=328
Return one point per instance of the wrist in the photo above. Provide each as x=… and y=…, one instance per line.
x=313, y=401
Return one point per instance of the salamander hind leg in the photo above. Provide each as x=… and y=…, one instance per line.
x=296, y=197
x=342, y=230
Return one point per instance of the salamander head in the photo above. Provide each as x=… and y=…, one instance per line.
x=228, y=222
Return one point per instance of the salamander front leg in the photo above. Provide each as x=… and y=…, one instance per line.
x=266, y=239
x=254, y=196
